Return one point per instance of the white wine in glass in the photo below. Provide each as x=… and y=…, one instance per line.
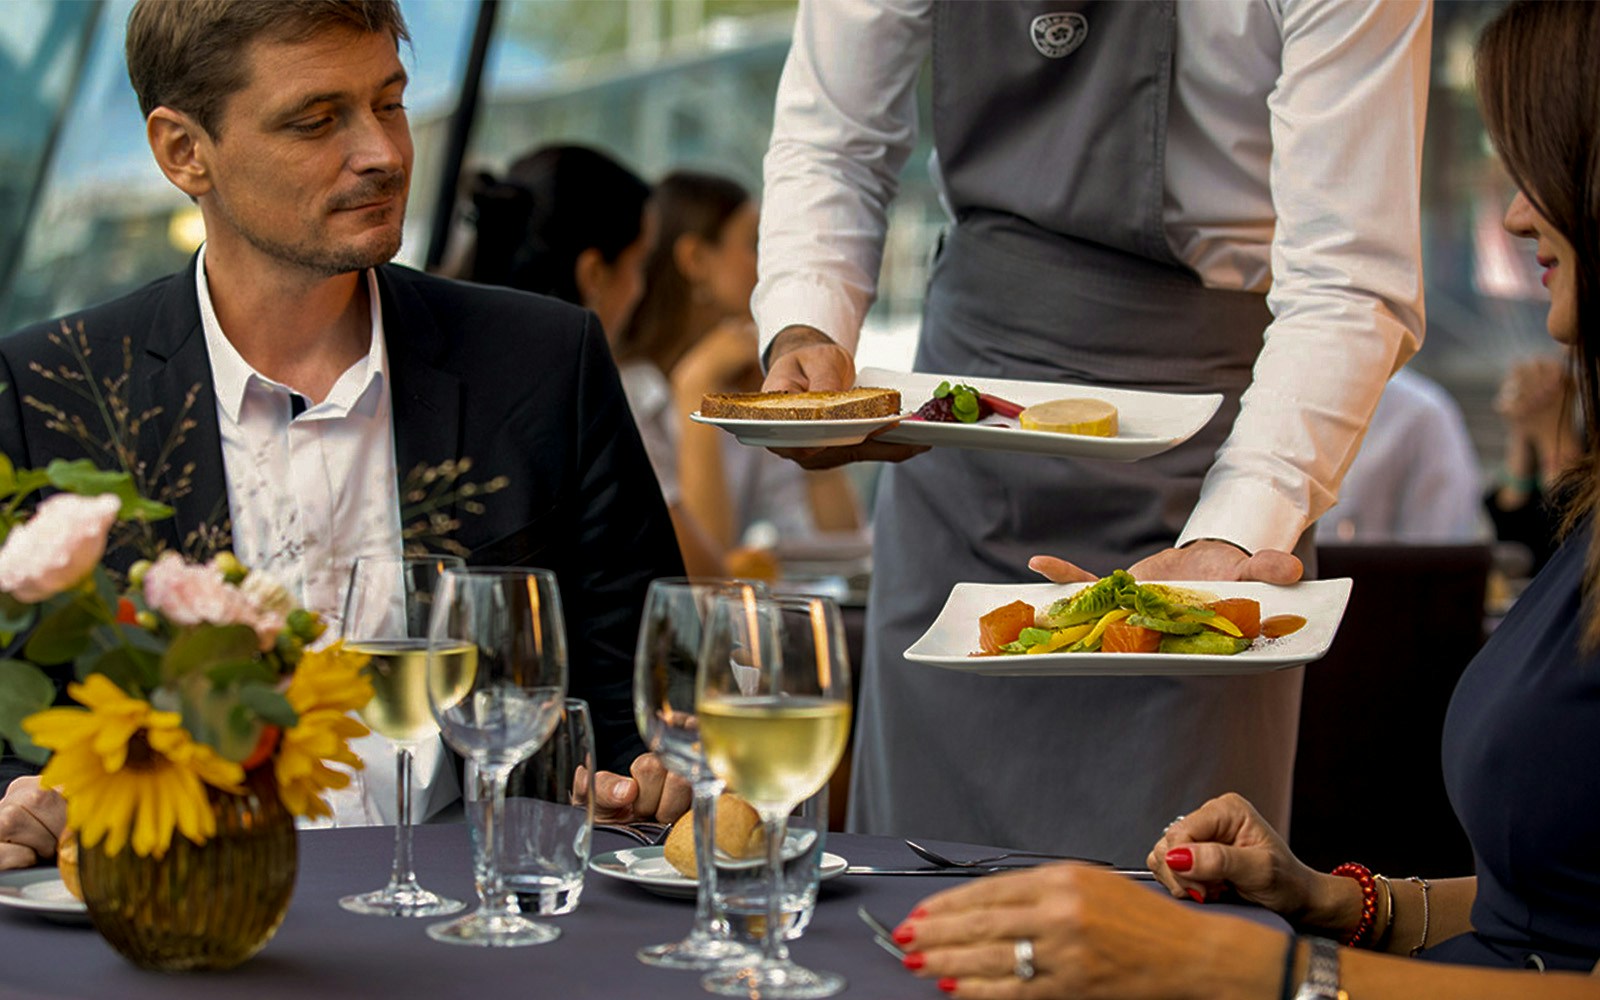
x=509, y=706
x=774, y=703
x=386, y=614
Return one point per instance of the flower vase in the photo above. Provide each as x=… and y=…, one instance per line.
x=206, y=906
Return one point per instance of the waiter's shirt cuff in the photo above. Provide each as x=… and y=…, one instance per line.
x=1249, y=514
x=805, y=301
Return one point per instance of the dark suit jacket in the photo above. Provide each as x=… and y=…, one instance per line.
x=521, y=384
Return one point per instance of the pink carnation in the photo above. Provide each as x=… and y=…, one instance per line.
x=58, y=547
x=185, y=594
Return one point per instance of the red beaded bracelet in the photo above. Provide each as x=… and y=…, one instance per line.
x=1369, y=900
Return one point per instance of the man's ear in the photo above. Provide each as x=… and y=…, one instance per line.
x=588, y=273
x=182, y=150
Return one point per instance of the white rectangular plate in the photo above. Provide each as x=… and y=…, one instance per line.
x=1148, y=422
x=953, y=636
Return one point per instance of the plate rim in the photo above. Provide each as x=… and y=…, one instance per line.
x=828, y=869
x=22, y=878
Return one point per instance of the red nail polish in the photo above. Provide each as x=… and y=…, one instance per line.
x=1180, y=859
x=1197, y=895
x=904, y=934
x=914, y=961
x=918, y=913
x=947, y=984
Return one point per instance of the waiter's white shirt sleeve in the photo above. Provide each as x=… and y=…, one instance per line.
x=1344, y=256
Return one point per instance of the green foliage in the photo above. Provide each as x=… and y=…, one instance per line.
x=24, y=689
x=65, y=624
x=205, y=646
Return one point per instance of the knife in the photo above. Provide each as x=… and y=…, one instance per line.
x=1133, y=873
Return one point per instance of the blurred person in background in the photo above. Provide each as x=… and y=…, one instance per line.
x=569, y=222
x=1537, y=404
x=1416, y=478
x=691, y=334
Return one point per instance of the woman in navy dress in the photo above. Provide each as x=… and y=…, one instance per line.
x=1521, y=744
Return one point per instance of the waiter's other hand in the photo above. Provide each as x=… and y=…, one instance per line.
x=648, y=792
x=804, y=359
x=31, y=821
x=1206, y=559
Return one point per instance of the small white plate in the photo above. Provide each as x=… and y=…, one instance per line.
x=953, y=637
x=648, y=867
x=796, y=433
x=1148, y=423
x=40, y=890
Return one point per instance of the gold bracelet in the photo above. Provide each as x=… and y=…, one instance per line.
x=1388, y=911
x=1425, y=887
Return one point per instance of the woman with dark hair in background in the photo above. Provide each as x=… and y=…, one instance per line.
x=567, y=221
x=1520, y=755
x=692, y=334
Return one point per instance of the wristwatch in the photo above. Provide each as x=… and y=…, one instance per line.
x=1322, y=972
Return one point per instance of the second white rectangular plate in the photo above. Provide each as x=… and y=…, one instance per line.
x=953, y=637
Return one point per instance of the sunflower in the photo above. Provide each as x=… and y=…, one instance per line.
x=327, y=685
x=129, y=771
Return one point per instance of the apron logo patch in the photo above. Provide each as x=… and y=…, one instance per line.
x=1057, y=35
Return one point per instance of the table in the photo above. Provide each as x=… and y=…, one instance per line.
x=322, y=951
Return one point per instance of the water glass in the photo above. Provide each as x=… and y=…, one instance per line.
x=741, y=887
x=549, y=818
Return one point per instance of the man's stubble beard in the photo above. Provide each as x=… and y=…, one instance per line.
x=313, y=256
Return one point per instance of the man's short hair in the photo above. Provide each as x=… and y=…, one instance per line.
x=188, y=55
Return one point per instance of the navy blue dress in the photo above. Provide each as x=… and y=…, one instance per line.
x=1522, y=768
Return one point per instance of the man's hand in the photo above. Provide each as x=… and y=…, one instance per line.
x=1206, y=559
x=804, y=359
x=31, y=821
x=648, y=793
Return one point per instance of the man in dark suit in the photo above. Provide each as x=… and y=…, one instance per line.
x=285, y=124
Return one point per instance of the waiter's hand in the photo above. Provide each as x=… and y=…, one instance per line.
x=1206, y=559
x=804, y=359
x=31, y=821
x=649, y=792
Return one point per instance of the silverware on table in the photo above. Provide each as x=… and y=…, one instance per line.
x=646, y=833
x=934, y=857
x=1143, y=874
x=881, y=934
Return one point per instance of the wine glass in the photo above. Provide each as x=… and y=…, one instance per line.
x=664, y=665
x=386, y=613
x=773, y=700
x=497, y=679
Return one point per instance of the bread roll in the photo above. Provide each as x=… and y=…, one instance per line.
x=738, y=834
x=67, y=861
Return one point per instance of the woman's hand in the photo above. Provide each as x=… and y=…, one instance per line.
x=1093, y=935
x=31, y=821
x=1225, y=844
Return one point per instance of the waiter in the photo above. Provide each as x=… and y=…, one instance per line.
x=1182, y=197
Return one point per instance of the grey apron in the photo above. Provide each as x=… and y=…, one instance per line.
x=1058, y=269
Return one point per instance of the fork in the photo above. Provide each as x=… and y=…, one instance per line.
x=934, y=857
x=646, y=833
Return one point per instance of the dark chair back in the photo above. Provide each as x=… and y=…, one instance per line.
x=1368, y=783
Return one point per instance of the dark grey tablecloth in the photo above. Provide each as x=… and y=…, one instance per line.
x=322, y=951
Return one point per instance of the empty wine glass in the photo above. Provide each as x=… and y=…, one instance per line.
x=773, y=703
x=665, y=661
x=497, y=678
x=386, y=612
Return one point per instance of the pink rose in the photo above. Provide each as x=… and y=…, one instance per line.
x=58, y=547
x=192, y=595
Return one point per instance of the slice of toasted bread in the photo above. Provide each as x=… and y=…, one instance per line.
x=847, y=404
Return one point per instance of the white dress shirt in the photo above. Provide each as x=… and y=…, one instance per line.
x=1416, y=476
x=1320, y=211
x=308, y=494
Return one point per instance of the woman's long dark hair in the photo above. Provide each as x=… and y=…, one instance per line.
x=687, y=203
x=1539, y=88
x=551, y=206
